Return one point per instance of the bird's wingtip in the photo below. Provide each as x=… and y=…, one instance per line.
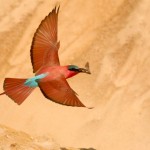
x=2, y=93
x=56, y=9
x=90, y=107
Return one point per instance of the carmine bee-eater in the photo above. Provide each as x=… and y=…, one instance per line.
x=49, y=75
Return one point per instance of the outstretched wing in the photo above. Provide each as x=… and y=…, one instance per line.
x=44, y=49
x=60, y=92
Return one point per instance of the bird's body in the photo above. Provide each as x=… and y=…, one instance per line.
x=46, y=74
x=55, y=72
x=50, y=76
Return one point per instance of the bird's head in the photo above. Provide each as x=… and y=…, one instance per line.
x=76, y=69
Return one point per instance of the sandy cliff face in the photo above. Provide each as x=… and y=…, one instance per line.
x=114, y=37
x=16, y=140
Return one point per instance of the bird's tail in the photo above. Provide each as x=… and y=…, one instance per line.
x=16, y=89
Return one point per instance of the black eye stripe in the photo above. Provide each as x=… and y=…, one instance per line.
x=73, y=69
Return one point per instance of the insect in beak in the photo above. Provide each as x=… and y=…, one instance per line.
x=86, y=69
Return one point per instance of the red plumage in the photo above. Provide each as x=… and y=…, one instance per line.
x=44, y=49
x=59, y=91
x=16, y=90
x=50, y=76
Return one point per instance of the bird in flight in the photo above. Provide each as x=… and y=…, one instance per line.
x=50, y=76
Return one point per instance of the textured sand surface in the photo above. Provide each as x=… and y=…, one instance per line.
x=11, y=139
x=17, y=140
x=114, y=37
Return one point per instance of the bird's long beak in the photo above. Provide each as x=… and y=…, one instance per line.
x=86, y=69
x=83, y=70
